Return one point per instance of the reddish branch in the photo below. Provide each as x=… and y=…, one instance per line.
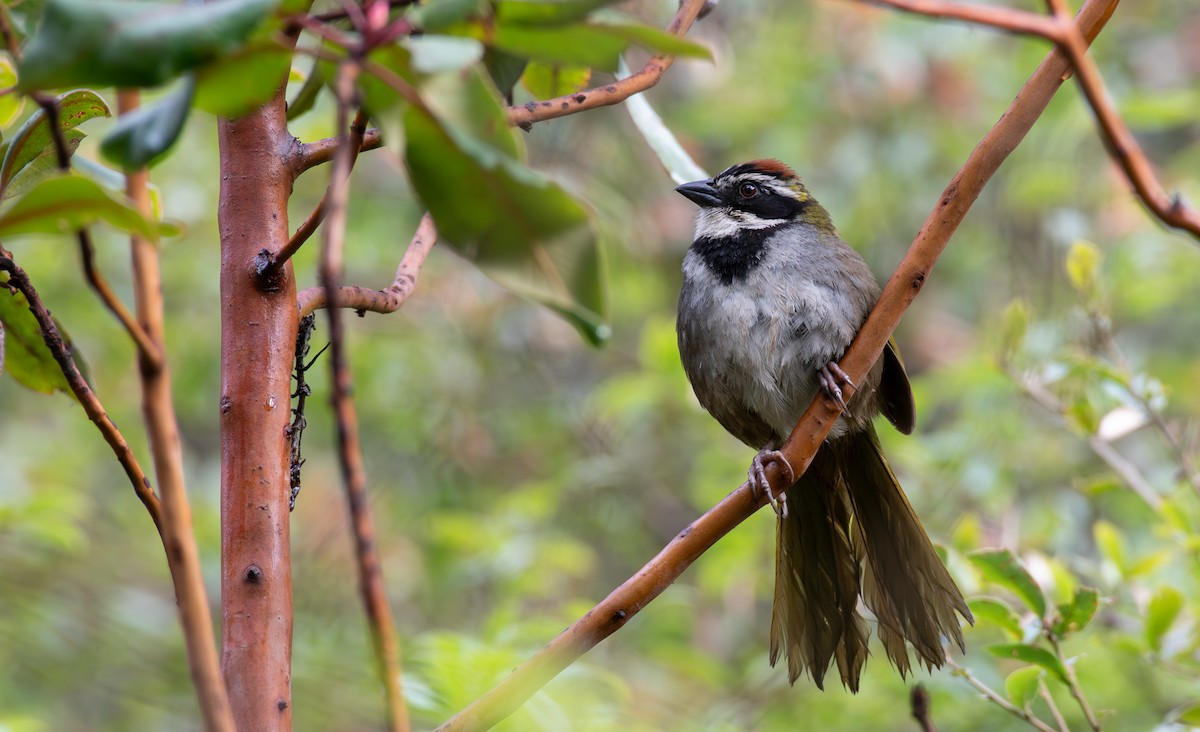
x=162, y=431
x=1059, y=29
x=354, y=476
x=615, y=610
x=313, y=154
x=95, y=411
x=614, y=93
x=389, y=299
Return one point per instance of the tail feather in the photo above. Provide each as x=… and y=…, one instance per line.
x=905, y=583
x=815, y=617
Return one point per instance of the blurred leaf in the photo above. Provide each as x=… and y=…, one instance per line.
x=432, y=54
x=520, y=228
x=505, y=70
x=1111, y=543
x=35, y=137
x=1164, y=607
x=998, y=613
x=1074, y=616
x=130, y=43
x=242, y=81
x=143, y=136
x=546, y=82
x=12, y=103
x=1083, y=261
x=307, y=96
x=1014, y=326
x=1189, y=715
x=593, y=45
x=68, y=203
x=438, y=15
x=546, y=12
x=114, y=181
x=1021, y=686
x=27, y=358
x=1002, y=567
x=1160, y=108
x=1031, y=654
x=1148, y=563
x=681, y=167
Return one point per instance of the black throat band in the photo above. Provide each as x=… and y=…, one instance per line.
x=732, y=257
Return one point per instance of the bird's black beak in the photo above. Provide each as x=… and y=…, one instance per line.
x=701, y=192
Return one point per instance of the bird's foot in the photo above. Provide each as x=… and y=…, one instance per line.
x=831, y=377
x=759, y=484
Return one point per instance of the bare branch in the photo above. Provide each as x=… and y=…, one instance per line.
x=615, y=93
x=389, y=299
x=920, y=707
x=162, y=430
x=354, y=477
x=79, y=387
x=996, y=699
x=316, y=153
x=1007, y=19
x=640, y=589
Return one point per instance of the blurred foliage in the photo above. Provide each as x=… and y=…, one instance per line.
x=518, y=475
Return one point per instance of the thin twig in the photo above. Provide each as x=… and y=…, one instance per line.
x=635, y=593
x=1073, y=685
x=921, y=708
x=162, y=432
x=371, y=582
x=526, y=114
x=79, y=387
x=147, y=348
x=270, y=266
x=1055, y=712
x=389, y=299
x=1001, y=18
x=996, y=699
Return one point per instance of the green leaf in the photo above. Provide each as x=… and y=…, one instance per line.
x=518, y=226
x=505, y=70
x=1164, y=607
x=1075, y=615
x=1189, y=715
x=546, y=12
x=1003, y=568
x=35, y=137
x=144, y=135
x=1031, y=654
x=1110, y=543
x=438, y=15
x=307, y=96
x=130, y=43
x=1021, y=686
x=1014, y=326
x=998, y=613
x=68, y=203
x=546, y=82
x=1083, y=261
x=680, y=165
x=243, y=80
x=593, y=45
x=43, y=165
x=12, y=103
x=26, y=356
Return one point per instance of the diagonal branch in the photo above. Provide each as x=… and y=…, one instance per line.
x=640, y=589
x=389, y=299
x=354, y=476
x=525, y=115
x=79, y=387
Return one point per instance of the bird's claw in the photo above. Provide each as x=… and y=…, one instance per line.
x=830, y=377
x=761, y=486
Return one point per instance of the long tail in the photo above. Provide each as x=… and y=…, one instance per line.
x=846, y=508
x=815, y=617
x=905, y=583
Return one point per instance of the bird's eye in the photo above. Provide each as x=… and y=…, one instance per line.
x=748, y=190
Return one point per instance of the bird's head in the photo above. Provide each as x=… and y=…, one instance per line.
x=760, y=194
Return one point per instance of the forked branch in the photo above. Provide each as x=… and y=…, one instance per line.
x=640, y=589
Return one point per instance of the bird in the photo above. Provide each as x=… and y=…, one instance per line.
x=771, y=299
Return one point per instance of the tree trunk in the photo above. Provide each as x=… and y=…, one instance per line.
x=258, y=335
